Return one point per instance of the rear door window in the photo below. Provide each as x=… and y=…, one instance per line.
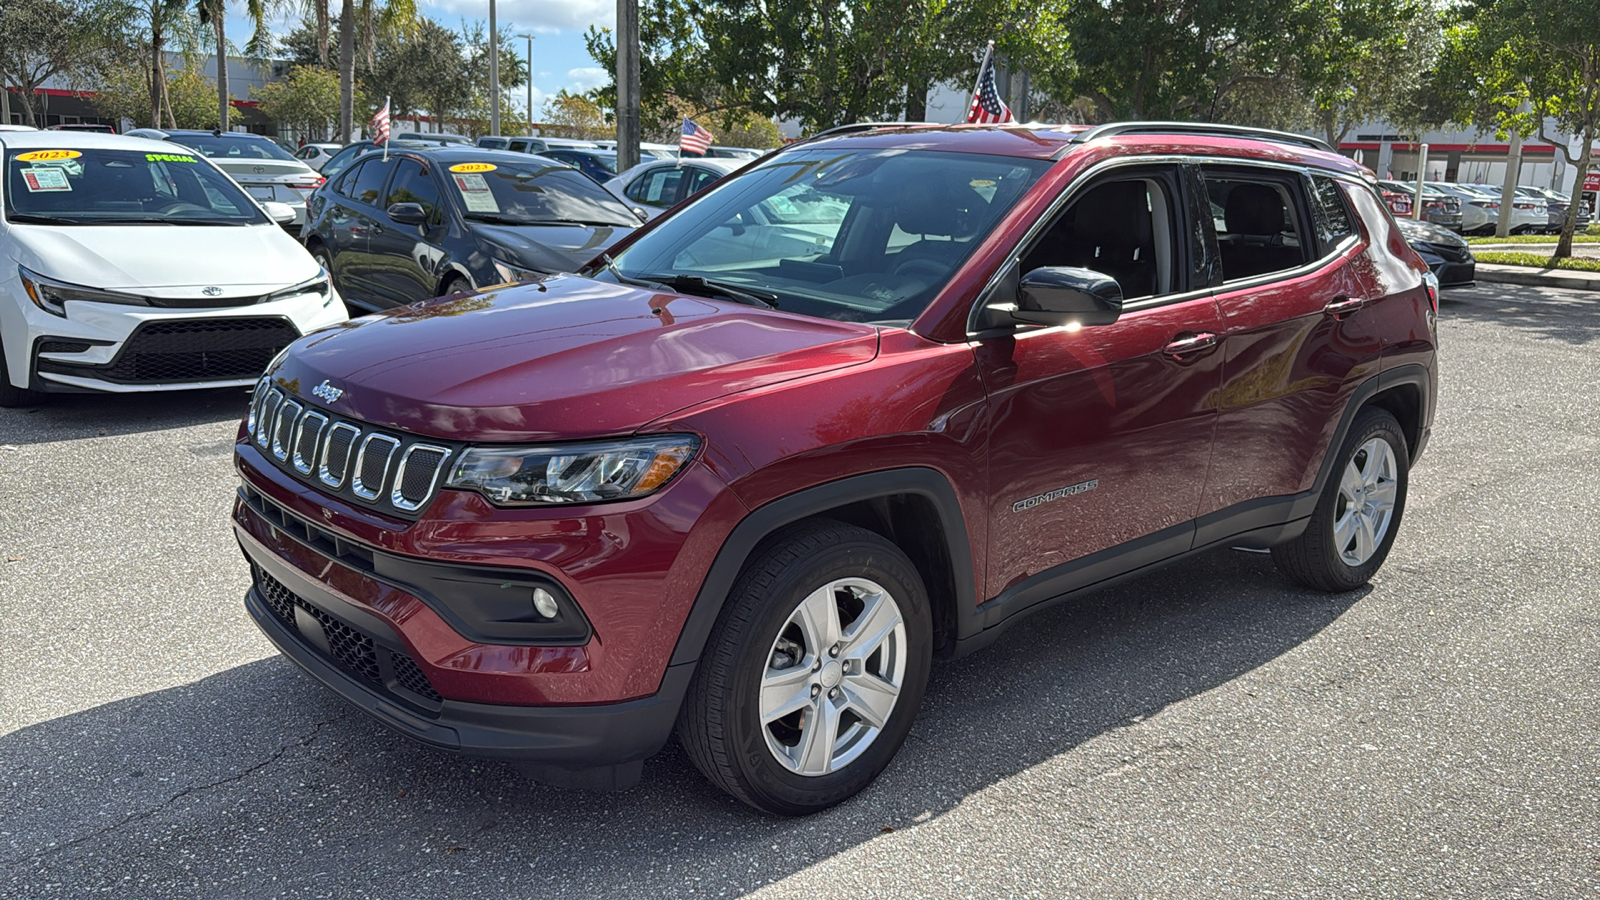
x=1334, y=221
x=1260, y=222
x=366, y=184
x=658, y=187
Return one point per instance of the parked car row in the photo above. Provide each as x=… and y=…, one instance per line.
x=1475, y=208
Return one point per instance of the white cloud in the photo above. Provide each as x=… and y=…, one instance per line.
x=538, y=16
x=588, y=77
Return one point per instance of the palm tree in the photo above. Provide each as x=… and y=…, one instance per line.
x=215, y=14
x=395, y=14
x=165, y=19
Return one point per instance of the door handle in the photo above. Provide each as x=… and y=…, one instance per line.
x=1189, y=343
x=1342, y=306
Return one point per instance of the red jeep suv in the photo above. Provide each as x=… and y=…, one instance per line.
x=869, y=401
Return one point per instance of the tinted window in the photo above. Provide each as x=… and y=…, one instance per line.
x=347, y=187
x=1333, y=217
x=101, y=187
x=1256, y=222
x=366, y=183
x=232, y=147
x=413, y=184
x=1125, y=229
x=658, y=187
x=700, y=179
x=534, y=192
x=341, y=159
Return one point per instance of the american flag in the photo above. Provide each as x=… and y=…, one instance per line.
x=380, y=124
x=694, y=139
x=987, y=107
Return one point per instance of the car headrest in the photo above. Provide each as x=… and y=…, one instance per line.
x=932, y=208
x=1254, y=209
x=1113, y=215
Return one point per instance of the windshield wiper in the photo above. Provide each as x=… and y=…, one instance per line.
x=36, y=218
x=161, y=220
x=494, y=219
x=706, y=287
x=610, y=265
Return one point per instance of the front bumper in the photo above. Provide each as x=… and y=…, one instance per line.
x=356, y=653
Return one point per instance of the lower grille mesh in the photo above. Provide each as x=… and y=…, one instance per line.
x=199, y=350
x=354, y=652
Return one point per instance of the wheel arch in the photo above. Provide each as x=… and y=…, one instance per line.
x=916, y=508
x=1405, y=392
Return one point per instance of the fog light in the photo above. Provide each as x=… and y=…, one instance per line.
x=544, y=603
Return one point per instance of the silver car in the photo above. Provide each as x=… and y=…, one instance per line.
x=265, y=170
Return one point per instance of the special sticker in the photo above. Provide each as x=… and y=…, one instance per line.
x=169, y=157
x=47, y=155
x=473, y=167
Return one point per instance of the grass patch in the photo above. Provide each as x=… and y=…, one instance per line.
x=1537, y=260
x=1590, y=237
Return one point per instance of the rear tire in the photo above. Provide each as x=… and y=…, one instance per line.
x=1359, y=512
x=814, y=672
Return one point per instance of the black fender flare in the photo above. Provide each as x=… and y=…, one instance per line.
x=756, y=526
x=1410, y=373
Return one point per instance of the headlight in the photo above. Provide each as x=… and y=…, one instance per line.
x=573, y=473
x=51, y=295
x=318, y=286
x=509, y=272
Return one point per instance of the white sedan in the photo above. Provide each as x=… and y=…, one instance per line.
x=135, y=265
x=659, y=184
x=314, y=155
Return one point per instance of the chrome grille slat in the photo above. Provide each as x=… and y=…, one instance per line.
x=288, y=414
x=330, y=447
x=366, y=484
x=314, y=422
x=399, y=496
x=393, y=472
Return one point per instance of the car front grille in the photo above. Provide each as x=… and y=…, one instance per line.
x=395, y=473
x=362, y=658
x=177, y=351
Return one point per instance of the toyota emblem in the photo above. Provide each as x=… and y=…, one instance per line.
x=211, y=291
x=258, y=169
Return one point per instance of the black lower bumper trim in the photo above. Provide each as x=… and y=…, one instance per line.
x=572, y=739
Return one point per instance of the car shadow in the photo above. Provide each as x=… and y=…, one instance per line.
x=1556, y=314
x=256, y=780
x=68, y=417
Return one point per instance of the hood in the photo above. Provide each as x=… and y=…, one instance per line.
x=160, y=260
x=1428, y=232
x=556, y=247
x=565, y=358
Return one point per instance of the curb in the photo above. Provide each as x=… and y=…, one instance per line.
x=1557, y=278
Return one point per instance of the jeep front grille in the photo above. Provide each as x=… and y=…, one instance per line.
x=391, y=472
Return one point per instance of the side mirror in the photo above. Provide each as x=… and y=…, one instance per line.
x=407, y=213
x=1064, y=296
x=643, y=216
x=282, y=213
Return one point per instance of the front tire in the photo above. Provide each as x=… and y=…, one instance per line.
x=1358, y=514
x=815, y=671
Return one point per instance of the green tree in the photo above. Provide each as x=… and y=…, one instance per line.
x=214, y=13
x=1515, y=65
x=307, y=100
x=189, y=100
x=823, y=62
x=68, y=40
x=574, y=116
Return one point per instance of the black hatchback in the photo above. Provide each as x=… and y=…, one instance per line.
x=426, y=222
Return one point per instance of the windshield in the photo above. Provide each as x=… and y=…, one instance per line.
x=861, y=236
x=232, y=147
x=109, y=187
x=534, y=193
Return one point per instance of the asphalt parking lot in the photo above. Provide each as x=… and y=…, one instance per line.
x=1208, y=731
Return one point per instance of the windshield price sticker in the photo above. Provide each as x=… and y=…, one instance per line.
x=47, y=155
x=47, y=179
x=169, y=157
x=475, y=193
x=473, y=167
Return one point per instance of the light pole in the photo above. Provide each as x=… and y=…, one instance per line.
x=627, y=84
x=494, y=73
x=530, y=80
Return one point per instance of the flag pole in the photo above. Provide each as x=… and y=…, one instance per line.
x=988, y=54
x=386, y=110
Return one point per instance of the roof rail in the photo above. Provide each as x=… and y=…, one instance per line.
x=853, y=127
x=1212, y=128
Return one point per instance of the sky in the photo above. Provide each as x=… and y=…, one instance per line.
x=559, y=58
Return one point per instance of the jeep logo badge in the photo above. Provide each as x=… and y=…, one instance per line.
x=327, y=391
